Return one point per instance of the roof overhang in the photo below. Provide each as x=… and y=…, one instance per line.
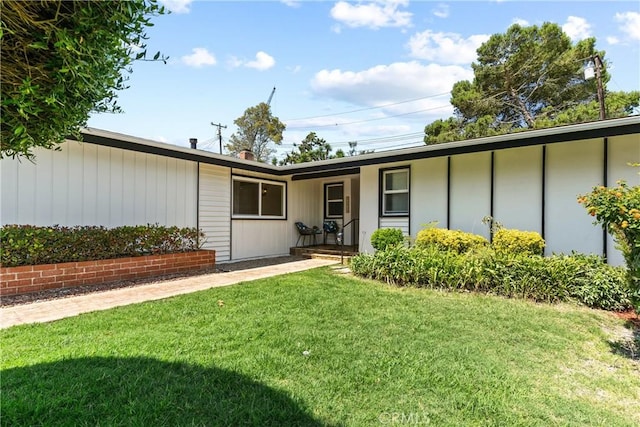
x=351, y=165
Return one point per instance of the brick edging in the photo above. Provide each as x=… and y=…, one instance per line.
x=33, y=278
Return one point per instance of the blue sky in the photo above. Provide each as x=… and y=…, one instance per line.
x=374, y=71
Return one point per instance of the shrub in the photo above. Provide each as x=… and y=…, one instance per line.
x=519, y=242
x=384, y=237
x=618, y=208
x=450, y=240
x=30, y=245
x=585, y=279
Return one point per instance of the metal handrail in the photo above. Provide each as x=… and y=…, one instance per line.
x=341, y=237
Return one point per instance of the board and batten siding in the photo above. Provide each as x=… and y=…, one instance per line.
x=87, y=184
x=215, y=209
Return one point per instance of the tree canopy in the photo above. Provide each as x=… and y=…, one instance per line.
x=529, y=77
x=61, y=60
x=311, y=148
x=257, y=128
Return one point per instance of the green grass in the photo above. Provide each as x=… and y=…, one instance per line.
x=378, y=355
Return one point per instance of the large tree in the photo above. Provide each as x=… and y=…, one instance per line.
x=61, y=60
x=529, y=77
x=257, y=128
x=312, y=148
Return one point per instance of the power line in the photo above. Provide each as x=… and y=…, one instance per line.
x=368, y=108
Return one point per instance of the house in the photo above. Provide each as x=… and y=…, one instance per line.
x=526, y=180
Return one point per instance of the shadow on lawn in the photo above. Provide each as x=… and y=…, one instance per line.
x=141, y=391
x=628, y=346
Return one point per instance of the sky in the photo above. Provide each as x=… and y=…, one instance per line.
x=372, y=71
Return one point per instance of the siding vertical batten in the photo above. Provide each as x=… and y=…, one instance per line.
x=605, y=182
x=198, y=203
x=448, y=192
x=491, y=195
x=542, y=204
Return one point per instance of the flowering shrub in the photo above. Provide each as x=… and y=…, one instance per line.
x=618, y=209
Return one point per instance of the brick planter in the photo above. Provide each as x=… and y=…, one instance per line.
x=32, y=278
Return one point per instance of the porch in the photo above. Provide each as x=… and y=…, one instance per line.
x=339, y=253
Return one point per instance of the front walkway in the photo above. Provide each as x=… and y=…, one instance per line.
x=48, y=311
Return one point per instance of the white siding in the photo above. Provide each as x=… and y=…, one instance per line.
x=368, y=206
x=470, y=192
x=401, y=223
x=622, y=151
x=573, y=168
x=428, y=193
x=518, y=188
x=258, y=238
x=87, y=184
x=215, y=209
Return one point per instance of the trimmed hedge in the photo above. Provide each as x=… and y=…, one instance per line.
x=450, y=240
x=517, y=241
x=585, y=279
x=383, y=237
x=30, y=245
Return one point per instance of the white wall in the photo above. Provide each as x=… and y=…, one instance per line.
x=428, y=193
x=470, y=192
x=87, y=184
x=622, y=151
x=572, y=168
x=215, y=209
x=517, y=200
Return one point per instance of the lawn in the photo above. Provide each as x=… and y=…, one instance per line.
x=321, y=348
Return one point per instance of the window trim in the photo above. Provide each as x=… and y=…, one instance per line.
x=382, y=192
x=260, y=181
x=326, y=200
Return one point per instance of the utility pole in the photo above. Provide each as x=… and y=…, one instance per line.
x=220, y=127
x=598, y=66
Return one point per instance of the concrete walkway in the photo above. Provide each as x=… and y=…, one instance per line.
x=48, y=311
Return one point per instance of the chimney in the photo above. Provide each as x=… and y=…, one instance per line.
x=193, y=142
x=247, y=155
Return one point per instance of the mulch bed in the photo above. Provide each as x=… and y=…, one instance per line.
x=51, y=294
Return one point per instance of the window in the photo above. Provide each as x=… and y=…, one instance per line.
x=395, y=192
x=333, y=200
x=256, y=198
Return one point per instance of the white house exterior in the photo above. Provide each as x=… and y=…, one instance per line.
x=527, y=180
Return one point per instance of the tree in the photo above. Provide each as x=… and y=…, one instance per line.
x=311, y=148
x=529, y=77
x=61, y=60
x=257, y=127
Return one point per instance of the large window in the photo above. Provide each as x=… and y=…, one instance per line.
x=333, y=200
x=395, y=192
x=257, y=198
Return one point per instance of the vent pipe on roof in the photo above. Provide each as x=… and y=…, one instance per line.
x=193, y=142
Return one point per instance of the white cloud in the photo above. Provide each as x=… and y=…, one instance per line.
x=177, y=6
x=612, y=40
x=442, y=11
x=629, y=24
x=199, y=58
x=521, y=22
x=446, y=48
x=577, y=28
x=291, y=3
x=375, y=14
x=295, y=69
x=263, y=61
x=385, y=84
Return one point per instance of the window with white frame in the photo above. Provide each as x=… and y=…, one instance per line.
x=258, y=198
x=395, y=192
x=333, y=199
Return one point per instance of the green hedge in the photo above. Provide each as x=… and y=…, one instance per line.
x=449, y=240
x=517, y=241
x=30, y=245
x=383, y=237
x=585, y=279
